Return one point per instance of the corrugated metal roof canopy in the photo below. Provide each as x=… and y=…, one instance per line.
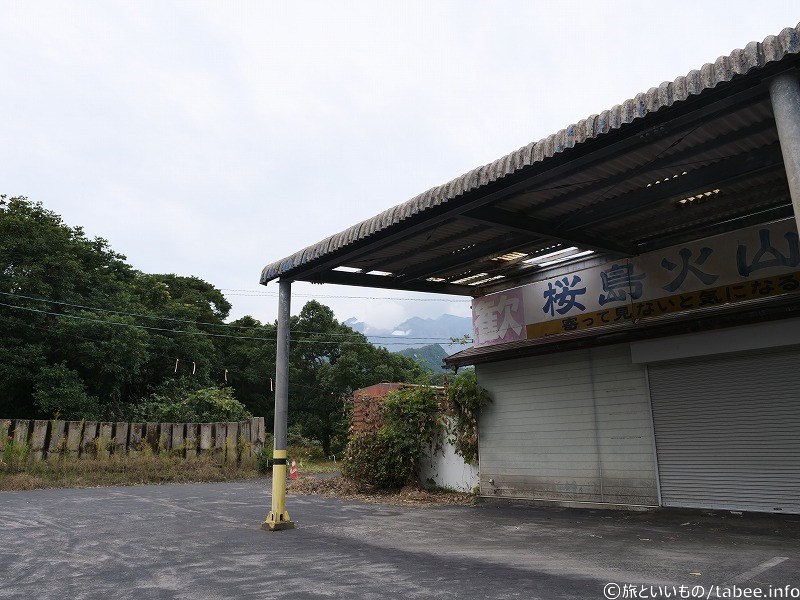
x=687, y=159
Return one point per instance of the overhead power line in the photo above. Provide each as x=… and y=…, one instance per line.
x=236, y=292
x=233, y=374
x=191, y=322
x=202, y=333
x=121, y=312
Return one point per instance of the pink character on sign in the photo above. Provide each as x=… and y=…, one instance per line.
x=498, y=318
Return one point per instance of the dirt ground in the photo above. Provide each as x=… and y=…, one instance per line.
x=337, y=486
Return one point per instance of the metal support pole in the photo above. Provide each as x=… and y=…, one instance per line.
x=784, y=91
x=278, y=517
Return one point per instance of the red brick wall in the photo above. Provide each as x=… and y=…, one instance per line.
x=366, y=405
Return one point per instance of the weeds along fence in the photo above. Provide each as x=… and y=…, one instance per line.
x=39, y=440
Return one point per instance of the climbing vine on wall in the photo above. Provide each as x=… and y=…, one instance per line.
x=411, y=421
x=389, y=456
x=465, y=400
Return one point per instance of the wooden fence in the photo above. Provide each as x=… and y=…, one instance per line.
x=49, y=439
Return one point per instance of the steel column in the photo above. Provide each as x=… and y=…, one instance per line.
x=278, y=517
x=784, y=91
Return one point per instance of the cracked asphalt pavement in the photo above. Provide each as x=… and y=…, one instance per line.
x=203, y=541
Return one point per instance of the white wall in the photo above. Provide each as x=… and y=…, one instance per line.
x=447, y=469
x=570, y=427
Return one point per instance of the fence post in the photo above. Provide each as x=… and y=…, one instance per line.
x=231, y=440
x=57, y=440
x=21, y=427
x=104, y=440
x=220, y=433
x=135, y=438
x=245, y=437
x=191, y=440
x=74, y=430
x=205, y=438
x=164, y=437
x=121, y=438
x=88, y=447
x=257, y=434
x=176, y=443
x=151, y=435
x=37, y=439
x=5, y=428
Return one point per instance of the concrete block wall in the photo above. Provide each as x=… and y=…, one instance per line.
x=45, y=439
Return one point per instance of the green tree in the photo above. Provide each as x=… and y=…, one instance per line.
x=41, y=257
x=78, y=322
x=429, y=356
x=59, y=391
x=185, y=310
x=205, y=405
x=328, y=361
x=52, y=279
x=250, y=361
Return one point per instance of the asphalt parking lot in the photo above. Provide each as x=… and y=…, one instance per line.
x=203, y=541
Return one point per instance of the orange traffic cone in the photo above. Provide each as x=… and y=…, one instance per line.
x=293, y=470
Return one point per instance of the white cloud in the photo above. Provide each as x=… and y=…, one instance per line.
x=213, y=138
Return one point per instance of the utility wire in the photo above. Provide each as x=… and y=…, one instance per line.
x=202, y=333
x=234, y=375
x=163, y=318
x=121, y=312
x=233, y=292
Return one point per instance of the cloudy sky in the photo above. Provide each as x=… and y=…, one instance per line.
x=211, y=138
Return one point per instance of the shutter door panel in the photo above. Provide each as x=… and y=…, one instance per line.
x=571, y=427
x=728, y=431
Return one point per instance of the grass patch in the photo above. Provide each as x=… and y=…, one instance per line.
x=315, y=467
x=114, y=470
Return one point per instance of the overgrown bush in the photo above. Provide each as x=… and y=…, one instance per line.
x=465, y=400
x=373, y=458
x=60, y=390
x=389, y=458
x=300, y=447
x=14, y=455
x=263, y=458
x=206, y=405
x=297, y=446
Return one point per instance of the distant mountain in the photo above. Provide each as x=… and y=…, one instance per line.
x=417, y=332
x=362, y=327
x=430, y=356
x=441, y=328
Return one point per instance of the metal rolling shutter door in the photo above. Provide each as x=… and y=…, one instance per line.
x=727, y=431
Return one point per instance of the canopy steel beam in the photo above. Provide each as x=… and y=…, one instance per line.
x=729, y=171
x=676, y=160
x=387, y=282
x=468, y=256
x=537, y=228
x=683, y=117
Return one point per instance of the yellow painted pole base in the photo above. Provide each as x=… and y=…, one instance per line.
x=278, y=517
x=282, y=522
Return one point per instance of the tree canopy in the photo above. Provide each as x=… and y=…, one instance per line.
x=85, y=335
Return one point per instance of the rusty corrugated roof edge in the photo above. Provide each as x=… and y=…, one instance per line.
x=754, y=55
